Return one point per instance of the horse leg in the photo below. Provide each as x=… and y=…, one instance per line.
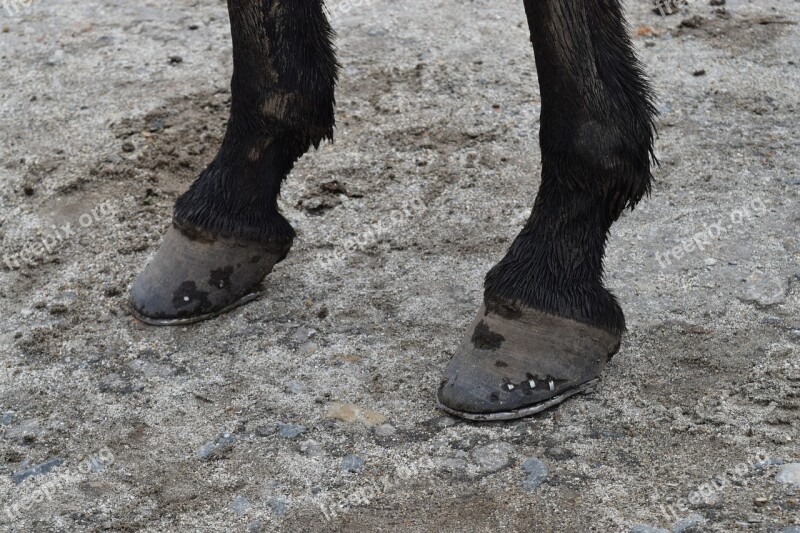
x=227, y=232
x=548, y=326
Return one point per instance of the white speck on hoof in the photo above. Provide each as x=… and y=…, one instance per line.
x=509, y=386
x=185, y=298
x=532, y=383
x=221, y=284
x=552, y=385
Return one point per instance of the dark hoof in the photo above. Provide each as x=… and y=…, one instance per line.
x=518, y=361
x=195, y=276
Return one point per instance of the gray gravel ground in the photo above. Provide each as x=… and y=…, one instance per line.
x=313, y=407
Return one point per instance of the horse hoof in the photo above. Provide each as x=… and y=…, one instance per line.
x=196, y=276
x=517, y=361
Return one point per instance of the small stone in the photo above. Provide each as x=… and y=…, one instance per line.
x=385, y=430
x=96, y=465
x=692, y=22
x=294, y=387
x=36, y=470
x=764, y=292
x=446, y=422
x=303, y=334
x=310, y=448
x=699, y=72
x=789, y=474
x=559, y=453
x=290, y=431
x=760, y=501
x=452, y=465
x=710, y=261
x=278, y=505
x=717, y=2
x=175, y=60
x=7, y=418
x=352, y=463
x=308, y=348
x=215, y=448
x=492, y=457
x=348, y=412
x=537, y=473
x=688, y=524
x=128, y=147
x=771, y=461
x=57, y=58
x=641, y=528
x=240, y=505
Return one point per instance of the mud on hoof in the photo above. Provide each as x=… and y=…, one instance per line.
x=195, y=276
x=517, y=361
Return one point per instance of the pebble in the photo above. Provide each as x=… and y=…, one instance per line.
x=57, y=58
x=303, y=334
x=217, y=446
x=789, y=474
x=452, y=465
x=348, y=412
x=492, y=457
x=240, y=505
x=765, y=292
x=537, y=472
x=278, y=505
x=290, y=431
x=559, y=453
x=688, y=524
x=641, y=528
x=294, y=387
x=352, y=463
x=7, y=418
x=96, y=465
x=307, y=348
x=446, y=422
x=772, y=461
x=385, y=430
x=311, y=448
x=36, y=470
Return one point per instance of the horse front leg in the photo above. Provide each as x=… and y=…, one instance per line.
x=548, y=326
x=227, y=232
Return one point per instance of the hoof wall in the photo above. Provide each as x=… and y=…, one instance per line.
x=524, y=411
x=518, y=361
x=195, y=276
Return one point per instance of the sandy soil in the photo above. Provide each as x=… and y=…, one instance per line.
x=109, y=108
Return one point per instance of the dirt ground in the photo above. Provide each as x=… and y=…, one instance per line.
x=312, y=409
